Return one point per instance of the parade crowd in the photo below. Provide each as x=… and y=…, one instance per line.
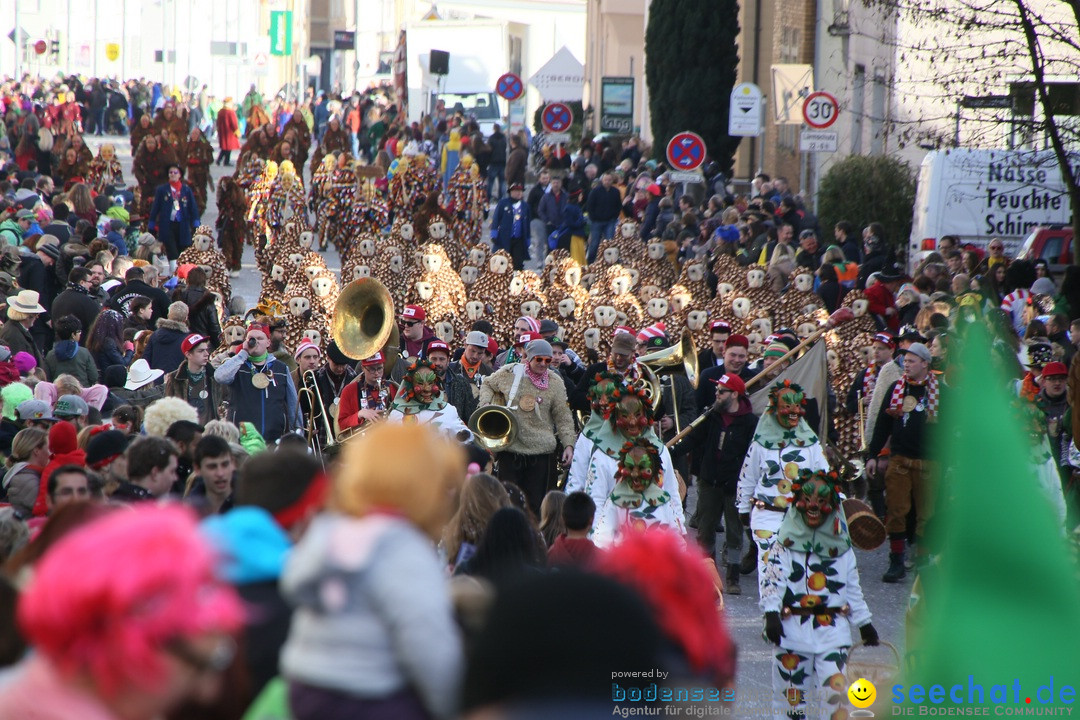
x=218, y=509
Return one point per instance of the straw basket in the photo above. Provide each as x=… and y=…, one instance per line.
x=866, y=529
x=873, y=665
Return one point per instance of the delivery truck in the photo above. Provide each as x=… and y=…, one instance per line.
x=480, y=51
x=978, y=195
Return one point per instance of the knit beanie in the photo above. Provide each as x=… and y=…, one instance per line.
x=62, y=438
x=104, y=447
x=534, y=324
x=25, y=362
x=776, y=349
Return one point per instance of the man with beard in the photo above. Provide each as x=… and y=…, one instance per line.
x=734, y=362
x=76, y=300
x=622, y=361
x=783, y=445
x=331, y=380
x=911, y=405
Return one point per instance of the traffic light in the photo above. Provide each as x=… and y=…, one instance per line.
x=54, y=50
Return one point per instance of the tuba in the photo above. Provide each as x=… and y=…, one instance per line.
x=364, y=323
x=494, y=426
x=675, y=358
x=671, y=361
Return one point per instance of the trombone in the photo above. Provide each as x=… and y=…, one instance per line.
x=311, y=390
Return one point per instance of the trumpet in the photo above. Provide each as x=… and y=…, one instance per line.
x=315, y=402
x=383, y=406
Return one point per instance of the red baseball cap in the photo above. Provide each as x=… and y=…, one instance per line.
x=191, y=341
x=733, y=383
x=376, y=359
x=738, y=341
x=1055, y=369
x=413, y=312
x=720, y=326
x=526, y=338
x=885, y=339
x=437, y=346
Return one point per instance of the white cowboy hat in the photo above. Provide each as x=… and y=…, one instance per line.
x=140, y=374
x=27, y=301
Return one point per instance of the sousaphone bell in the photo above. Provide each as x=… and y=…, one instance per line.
x=364, y=322
x=495, y=428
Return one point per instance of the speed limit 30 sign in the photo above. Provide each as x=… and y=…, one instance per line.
x=820, y=110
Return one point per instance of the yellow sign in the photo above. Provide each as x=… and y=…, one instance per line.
x=112, y=50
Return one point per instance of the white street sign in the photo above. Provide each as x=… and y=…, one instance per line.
x=556, y=138
x=561, y=78
x=818, y=140
x=685, y=177
x=744, y=116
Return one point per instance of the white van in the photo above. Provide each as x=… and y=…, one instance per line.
x=982, y=194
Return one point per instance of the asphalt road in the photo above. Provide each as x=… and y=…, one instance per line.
x=755, y=658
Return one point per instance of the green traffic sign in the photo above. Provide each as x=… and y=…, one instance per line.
x=281, y=22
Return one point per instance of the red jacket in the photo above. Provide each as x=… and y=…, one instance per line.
x=881, y=299
x=227, y=126
x=349, y=403
x=575, y=552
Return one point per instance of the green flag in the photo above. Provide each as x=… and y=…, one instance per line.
x=999, y=613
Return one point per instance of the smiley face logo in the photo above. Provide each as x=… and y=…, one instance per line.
x=862, y=693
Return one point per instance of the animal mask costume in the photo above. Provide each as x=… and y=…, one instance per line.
x=421, y=389
x=818, y=525
x=783, y=424
x=639, y=479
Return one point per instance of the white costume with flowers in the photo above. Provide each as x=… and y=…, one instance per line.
x=771, y=465
x=446, y=420
x=813, y=652
x=611, y=519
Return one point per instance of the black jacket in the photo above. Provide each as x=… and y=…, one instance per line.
x=874, y=262
x=603, y=205
x=706, y=387
x=497, y=143
x=78, y=302
x=124, y=294
x=721, y=446
x=202, y=313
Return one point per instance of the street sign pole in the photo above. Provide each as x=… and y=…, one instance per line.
x=18, y=45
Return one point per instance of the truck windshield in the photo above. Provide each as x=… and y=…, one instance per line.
x=482, y=105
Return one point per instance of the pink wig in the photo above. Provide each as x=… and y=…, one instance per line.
x=107, y=597
x=674, y=581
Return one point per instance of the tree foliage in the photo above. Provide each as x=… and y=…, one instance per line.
x=862, y=189
x=949, y=50
x=691, y=62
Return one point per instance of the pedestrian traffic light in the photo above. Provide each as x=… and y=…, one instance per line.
x=54, y=49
